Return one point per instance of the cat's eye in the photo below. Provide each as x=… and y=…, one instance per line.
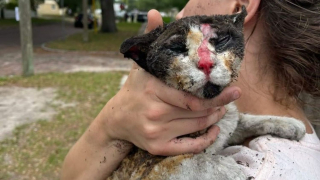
x=178, y=48
x=223, y=40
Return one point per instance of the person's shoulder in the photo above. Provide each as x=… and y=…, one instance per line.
x=269, y=157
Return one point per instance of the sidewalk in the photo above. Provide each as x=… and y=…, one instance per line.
x=10, y=62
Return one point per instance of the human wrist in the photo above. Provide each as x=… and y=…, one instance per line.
x=101, y=130
x=101, y=154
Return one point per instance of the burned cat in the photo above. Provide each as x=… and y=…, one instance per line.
x=200, y=55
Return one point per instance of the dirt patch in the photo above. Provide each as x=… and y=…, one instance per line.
x=77, y=68
x=25, y=105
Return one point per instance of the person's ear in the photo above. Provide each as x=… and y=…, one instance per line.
x=252, y=7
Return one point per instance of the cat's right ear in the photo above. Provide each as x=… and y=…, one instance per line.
x=239, y=18
x=137, y=47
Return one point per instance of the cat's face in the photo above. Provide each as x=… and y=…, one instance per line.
x=200, y=54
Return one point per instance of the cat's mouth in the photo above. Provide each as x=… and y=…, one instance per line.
x=211, y=90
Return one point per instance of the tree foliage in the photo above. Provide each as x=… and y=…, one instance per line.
x=2, y=3
x=160, y=5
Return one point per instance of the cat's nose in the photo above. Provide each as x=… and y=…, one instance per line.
x=205, y=65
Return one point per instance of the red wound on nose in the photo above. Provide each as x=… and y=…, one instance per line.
x=205, y=63
x=206, y=66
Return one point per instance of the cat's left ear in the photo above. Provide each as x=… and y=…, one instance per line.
x=137, y=47
x=238, y=19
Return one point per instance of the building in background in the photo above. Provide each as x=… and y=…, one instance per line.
x=50, y=8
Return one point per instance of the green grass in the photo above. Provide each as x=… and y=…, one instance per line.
x=35, y=21
x=37, y=150
x=166, y=19
x=98, y=41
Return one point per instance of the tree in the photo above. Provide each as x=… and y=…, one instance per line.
x=74, y=5
x=26, y=37
x=2, y=5
x=34, y=4
x=161, y=5
x=108, y=16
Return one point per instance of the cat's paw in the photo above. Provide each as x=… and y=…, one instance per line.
x=288, y=128
x=207, y=166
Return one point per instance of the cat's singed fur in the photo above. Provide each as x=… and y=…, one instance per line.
x=200, y=55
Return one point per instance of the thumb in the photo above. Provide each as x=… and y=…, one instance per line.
x=154, y=20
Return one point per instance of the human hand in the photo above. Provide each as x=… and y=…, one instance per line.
x=152, y=115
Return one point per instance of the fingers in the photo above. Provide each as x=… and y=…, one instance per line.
x=180, y=14
x=181, y=127
x=189, y=102
x=165, y=112
x=154, y=20
x=188, y=145
x=227, y=95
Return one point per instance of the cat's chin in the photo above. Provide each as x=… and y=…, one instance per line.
x=211, y=90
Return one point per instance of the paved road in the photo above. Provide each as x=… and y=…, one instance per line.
x=10, y=37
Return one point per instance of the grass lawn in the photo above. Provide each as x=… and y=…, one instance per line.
x=37, y=150
x=35, y=21
x=98, y=41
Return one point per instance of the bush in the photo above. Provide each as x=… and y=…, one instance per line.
x=166, y=19
x=11, y=5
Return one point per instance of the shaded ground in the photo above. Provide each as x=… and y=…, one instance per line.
x=10, y=37
x=97, y=41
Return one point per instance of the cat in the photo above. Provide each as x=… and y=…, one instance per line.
x=200, y=55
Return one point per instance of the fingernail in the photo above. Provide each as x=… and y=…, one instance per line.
x=236, y=95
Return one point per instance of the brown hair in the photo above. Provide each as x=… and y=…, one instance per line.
x=293, y=37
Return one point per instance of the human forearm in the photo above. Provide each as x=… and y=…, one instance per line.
x=95, y=155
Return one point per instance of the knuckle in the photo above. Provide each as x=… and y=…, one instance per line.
x=202, y=123
x=149, y=90
x=210, y=111
x=150, y=132
x=198, y=148
x=221, y=112
x=155, y=150
x=154, y=114
x=193, y=104
x=150, y=87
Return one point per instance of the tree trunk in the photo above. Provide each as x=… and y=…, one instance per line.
x=85, y=36
x=2, y=13
x=108, y=16
x=26, y=37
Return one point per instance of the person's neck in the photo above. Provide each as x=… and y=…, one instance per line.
x=257, y=83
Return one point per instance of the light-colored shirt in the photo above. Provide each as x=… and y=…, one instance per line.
x=273, y=158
